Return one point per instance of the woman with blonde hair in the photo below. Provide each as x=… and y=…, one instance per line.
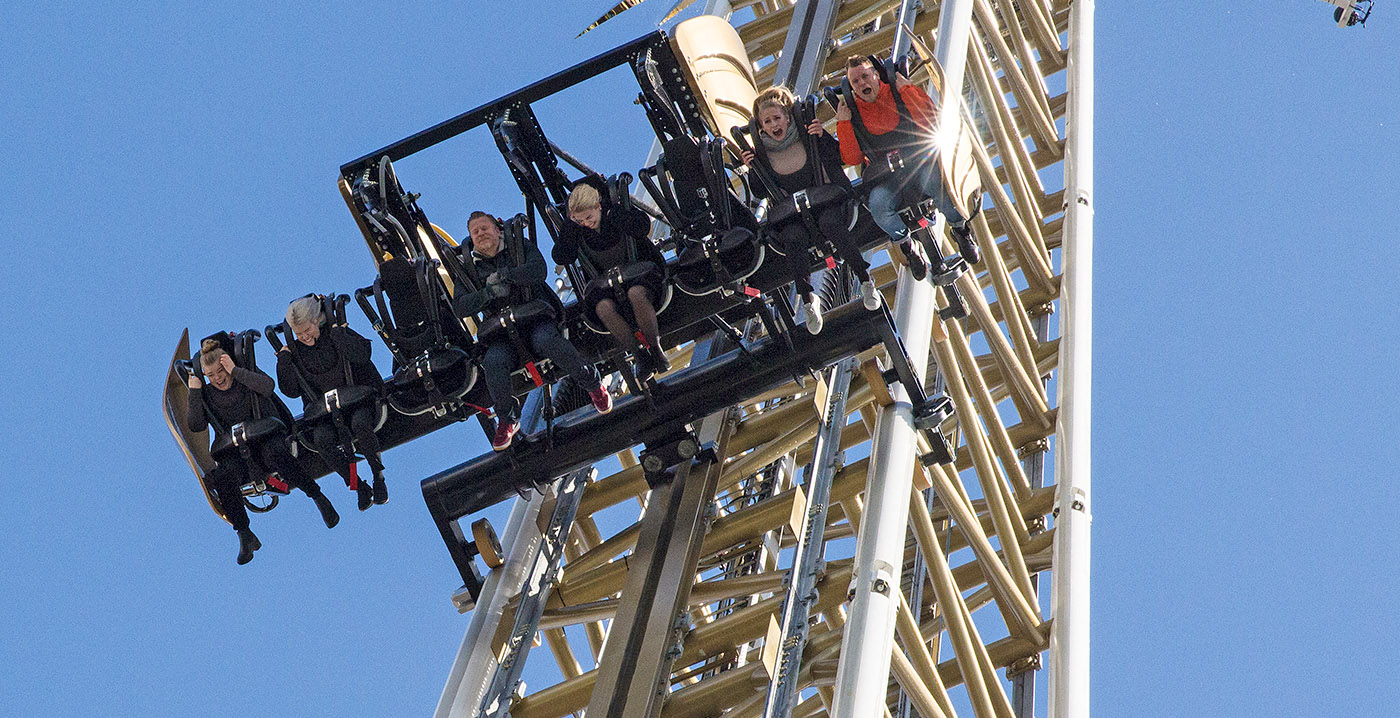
x=797, y=159
x=612, y=238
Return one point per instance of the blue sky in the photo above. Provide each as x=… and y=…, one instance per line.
x=173, y=166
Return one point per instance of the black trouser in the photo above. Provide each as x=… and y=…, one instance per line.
x=544, y=339
x=231, y=472
x=832, y=221
x=326, y=439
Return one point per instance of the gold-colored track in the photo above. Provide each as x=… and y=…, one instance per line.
x=981, y=541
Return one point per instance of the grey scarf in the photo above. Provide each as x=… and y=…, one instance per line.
x=788, y=140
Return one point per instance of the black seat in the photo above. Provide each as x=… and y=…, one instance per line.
x=331, y=405
x=717, y=240
x=432, y=368
x=802, y=206
x=583, y=274
x=262, y=486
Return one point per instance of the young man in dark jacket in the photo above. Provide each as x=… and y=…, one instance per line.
x=340, y=358
x=236, y=395
x=514, y=278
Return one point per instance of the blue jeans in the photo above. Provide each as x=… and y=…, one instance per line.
x=544, y=339
x=883, y=200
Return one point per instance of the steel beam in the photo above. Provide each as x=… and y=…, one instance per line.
x=864, y=665
x=476, y=661
x=1069, y=640
x=635, y=670
x=807, y=562
x=543, y=572
x=806, y=45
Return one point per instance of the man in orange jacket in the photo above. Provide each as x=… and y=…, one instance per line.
x=887, y=123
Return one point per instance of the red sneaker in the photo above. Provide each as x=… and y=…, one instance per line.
x=602, y=400
x=505, y=431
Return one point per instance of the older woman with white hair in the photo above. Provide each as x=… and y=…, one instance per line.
x=332, y=356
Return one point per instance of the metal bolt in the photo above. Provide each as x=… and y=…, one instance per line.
x=882, y=587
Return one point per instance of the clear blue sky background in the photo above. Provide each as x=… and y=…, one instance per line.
x=174, y=166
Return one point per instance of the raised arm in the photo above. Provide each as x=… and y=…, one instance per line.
x=566, y=247
x=287, y=374
x=256, y=381
x=194, y=408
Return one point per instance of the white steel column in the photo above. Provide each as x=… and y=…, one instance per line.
x=864, y=668
x=1069, y=640
x=476, y=662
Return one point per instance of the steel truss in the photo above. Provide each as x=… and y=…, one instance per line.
x=802, y=599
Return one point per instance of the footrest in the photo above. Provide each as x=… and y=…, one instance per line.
x=953, y=266
x=957, y=306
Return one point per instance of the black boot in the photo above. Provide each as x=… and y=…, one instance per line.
x=247, y=544
x=365, y=494
x=380, y=492
x=328, y=513
x=659, y=363
x=967, y=244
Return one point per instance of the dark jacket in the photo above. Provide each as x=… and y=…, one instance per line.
x=249, y=395
x=623, y=233
x=829, y=152
x=323, y=365
x=524, y=271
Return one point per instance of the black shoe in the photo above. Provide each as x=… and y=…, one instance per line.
x=247, y=544
x=659, y=362
x=380, y=491
x=967, y=244
x=914, y=256
x=328, y=513
x=643, y=366
x=365, y=495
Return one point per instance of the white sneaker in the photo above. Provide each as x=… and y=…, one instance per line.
x=814, y=315
x=869, y=295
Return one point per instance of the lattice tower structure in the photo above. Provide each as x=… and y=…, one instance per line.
x=973, y=624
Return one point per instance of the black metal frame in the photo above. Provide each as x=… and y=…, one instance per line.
x=581, y=438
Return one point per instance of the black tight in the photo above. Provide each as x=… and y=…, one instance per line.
x=642, y=309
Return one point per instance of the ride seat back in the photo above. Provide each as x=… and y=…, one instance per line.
x=717, y=68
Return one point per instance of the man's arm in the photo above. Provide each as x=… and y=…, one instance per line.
x=851, y=153
x=470, y=303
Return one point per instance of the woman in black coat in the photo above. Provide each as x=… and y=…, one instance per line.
x=339, y=359
x=782, y=152
x=237, y=395
x=626, y=273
